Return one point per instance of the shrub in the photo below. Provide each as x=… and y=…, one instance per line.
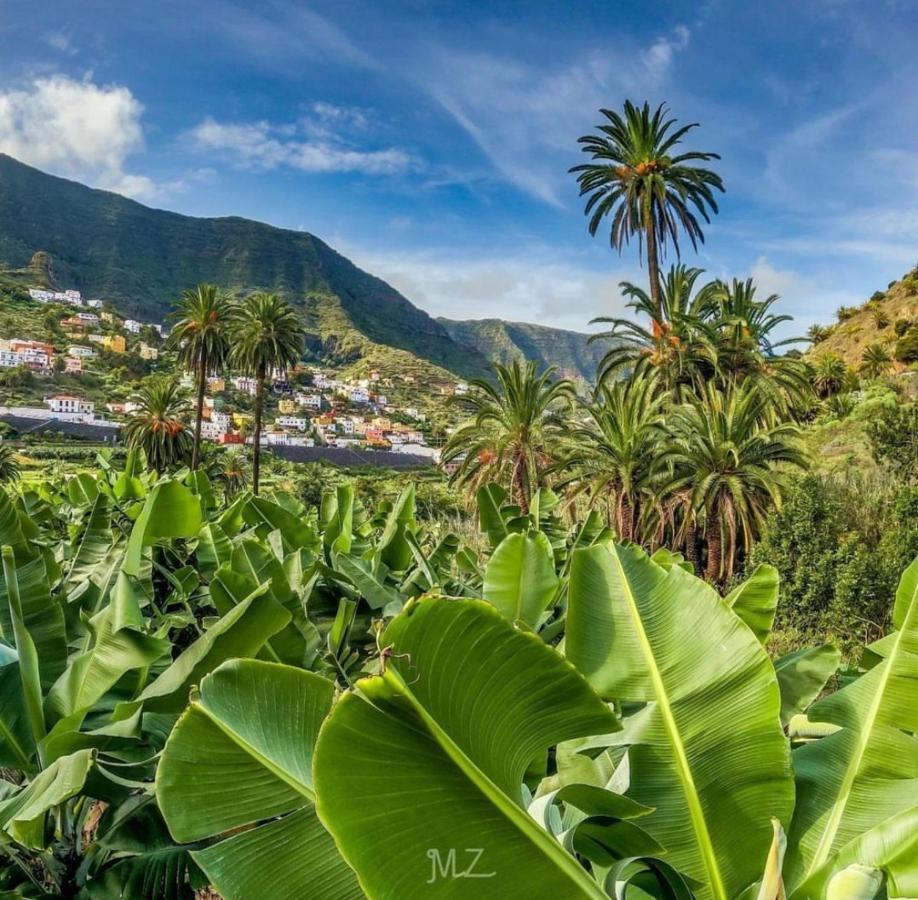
x=839, y=544
x=906, y=350
x=893, y=436
x=846, y=312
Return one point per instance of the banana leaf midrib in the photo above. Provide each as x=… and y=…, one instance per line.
x=683, y=768
x=525, y=824
x=824, y=848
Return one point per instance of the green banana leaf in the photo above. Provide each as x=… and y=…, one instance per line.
x=756, y=600
x=95, y=543
x=394, y=549
x=439, y=744
x=240, y=759
x=802, y=675
x=707, y=750
x=867, y=771
x=891, y=848
x=17, y=743
x=171, y=510
x=22, y=815
x=242, y=632
x=520, y=579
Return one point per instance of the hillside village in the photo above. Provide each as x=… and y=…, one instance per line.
x=313, y=406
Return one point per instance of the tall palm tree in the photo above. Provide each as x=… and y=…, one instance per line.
x=733, y=461
x=266, y=338
x=678, y=339
x=199, y=335
x=875, y=361
x=647, y=192
x=10, y=469
x=514, y=429
x=612, y=458
x=160, y=426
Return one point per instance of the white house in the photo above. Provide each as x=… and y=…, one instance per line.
x=462, y=388
x=292, y=422
x=310, y=401
x=78, y=350
x=359, y=395
x=93, y=304
x=245, y=383
x=62, y=403
x=133, y=326
x=88, y=318
x=213, y=431
x=221, y=419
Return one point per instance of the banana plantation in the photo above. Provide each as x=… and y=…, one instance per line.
x=250, y=699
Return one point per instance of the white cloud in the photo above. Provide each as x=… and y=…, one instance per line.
x=310, y=145
x=526, y=117
x=533, y=288
x=77, y=129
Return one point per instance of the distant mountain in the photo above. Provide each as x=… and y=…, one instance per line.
x=141, y=259
x=503, y=342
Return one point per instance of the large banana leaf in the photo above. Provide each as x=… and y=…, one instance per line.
x=94, y=544
x=756, y=600
x=17, y=742
x=241, y=632
x=520, y=577
x=241, y=756
x=707, y=750
x=866, y=772
x=171, y=510
x=802, y=675
x=419, y=770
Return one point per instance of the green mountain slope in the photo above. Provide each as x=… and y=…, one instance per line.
x=110, y=247
x=141, y=259
x=503, y=342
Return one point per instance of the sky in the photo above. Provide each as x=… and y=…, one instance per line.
x=430, y=142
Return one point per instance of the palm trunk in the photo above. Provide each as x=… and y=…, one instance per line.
x=714, y=540
x=625, y=519
x=256, y=458
x=196, y=449
x=653, y=264
x=691, y=547
x=521, y=484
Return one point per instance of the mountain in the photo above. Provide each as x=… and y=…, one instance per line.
x=889, y=318
x=501, y=341
x=141, y=259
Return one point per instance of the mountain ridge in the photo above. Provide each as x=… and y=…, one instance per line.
x=140, y=258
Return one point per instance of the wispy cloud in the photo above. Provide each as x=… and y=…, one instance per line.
x=276, y=33
x=526, y=117
x=313, y=144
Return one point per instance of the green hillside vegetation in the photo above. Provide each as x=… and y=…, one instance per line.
x=503, y=342
x=889, y=318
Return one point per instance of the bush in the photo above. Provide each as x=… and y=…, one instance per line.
x=906, y=350
x=901, y=326
x=846, y=312
x=839, y=545
x=893, y=436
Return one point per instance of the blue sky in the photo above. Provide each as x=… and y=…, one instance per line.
x=430, y=141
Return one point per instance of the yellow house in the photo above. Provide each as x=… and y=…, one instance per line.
x=148, y=352
x=115, y=343
x=240, y=419
x=286, y=406
x=216, y=384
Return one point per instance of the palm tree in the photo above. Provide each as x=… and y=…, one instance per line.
x=613, y=457
x=830, y=374
x=199, y=335
x=266, y=337
x=10, y=469
x=747, y=347
x=229, y=468
x=875, y=361
x=732, y=460
x=678, y=340
x=514, y=429
x=634, y=180
x=159, y=426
